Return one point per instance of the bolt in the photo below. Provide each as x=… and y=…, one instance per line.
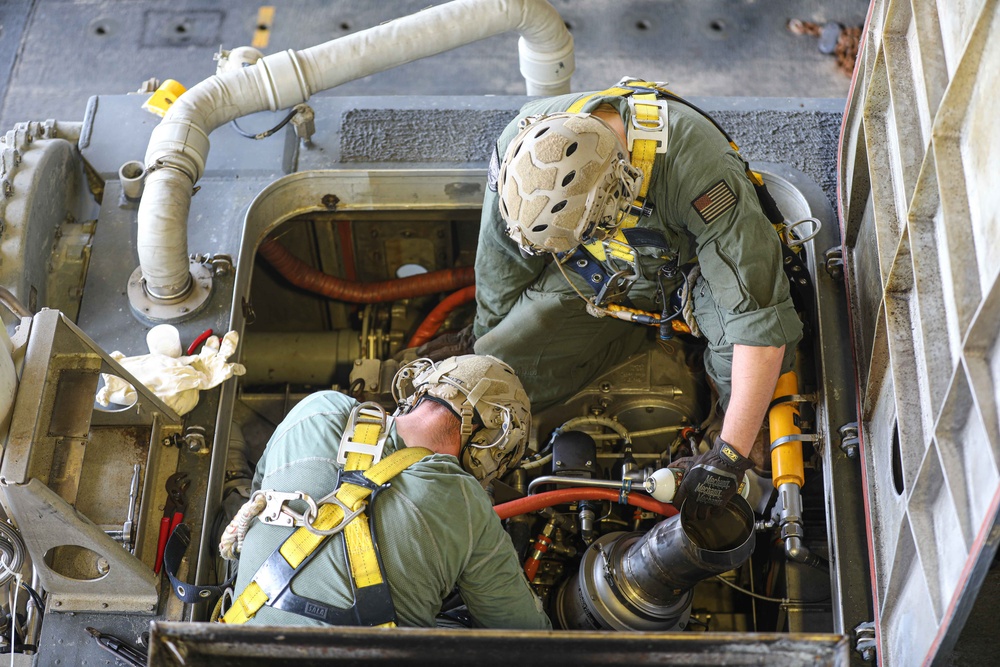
x=57, y=603
x=167, y=442
x=559, y=463
x=589, y=463
x=330, y=201
x=104, y=605
x=103, y=566
x=183, y=309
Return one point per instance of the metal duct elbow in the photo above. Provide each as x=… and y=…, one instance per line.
x=179, y=144
x=644, y=582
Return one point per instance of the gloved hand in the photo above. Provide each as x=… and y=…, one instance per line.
x=711, y=479
x=174, y=380
x=447, y=345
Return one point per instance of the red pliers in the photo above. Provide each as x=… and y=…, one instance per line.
x=173, y=513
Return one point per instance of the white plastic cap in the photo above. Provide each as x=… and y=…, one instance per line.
x=164, y=339
x=662, y=484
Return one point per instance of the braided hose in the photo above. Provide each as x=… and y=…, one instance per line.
x=561, y=496
x=436, y=317
x=12, y=552
x=306, y=277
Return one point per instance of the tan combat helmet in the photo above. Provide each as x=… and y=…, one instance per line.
x=565, y=179
x=486, y=395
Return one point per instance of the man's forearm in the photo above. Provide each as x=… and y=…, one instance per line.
x=755, y=374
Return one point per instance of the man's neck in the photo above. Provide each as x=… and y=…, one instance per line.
x=432, y=426
x=610, y=115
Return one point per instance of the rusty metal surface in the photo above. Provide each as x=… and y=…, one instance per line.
x=193, y=645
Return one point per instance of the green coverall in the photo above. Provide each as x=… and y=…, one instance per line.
x=530, y=317
x=435, y=526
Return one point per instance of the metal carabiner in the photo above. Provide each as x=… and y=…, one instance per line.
x=277, y=513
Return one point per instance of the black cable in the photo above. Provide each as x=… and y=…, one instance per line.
x=265, y=134
x=35, y=597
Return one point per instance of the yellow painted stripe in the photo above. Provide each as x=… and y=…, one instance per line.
x=262, y=35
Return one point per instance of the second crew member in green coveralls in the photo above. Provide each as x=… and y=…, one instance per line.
x=436, y=527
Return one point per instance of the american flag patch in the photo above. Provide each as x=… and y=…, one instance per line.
x=714, y=202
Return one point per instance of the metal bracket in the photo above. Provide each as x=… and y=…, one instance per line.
x=115, y=580
x=864, y=636
x=849, y=439
x=834, y=263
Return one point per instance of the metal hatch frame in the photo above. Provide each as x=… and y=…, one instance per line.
x=917, y=173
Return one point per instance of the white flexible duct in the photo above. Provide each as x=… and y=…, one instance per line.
x=179, y=145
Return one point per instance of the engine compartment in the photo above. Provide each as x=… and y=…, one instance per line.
x=614, y=434
x=366, y=223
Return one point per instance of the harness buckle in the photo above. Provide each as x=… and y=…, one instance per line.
x=365, y=413
x=277, y=512
x=647, y=129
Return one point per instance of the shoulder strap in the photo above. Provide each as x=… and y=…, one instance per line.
x=271, y=584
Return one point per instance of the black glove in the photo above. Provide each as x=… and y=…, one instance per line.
x=447, y=345
x=711, y=479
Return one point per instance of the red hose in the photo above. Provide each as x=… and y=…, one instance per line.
x=560, y=496
x=433, y=321
x=202, y=337
x=302, y=275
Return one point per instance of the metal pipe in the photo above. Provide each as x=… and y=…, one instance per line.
x=310, y=358
x=790, y=520
x=580, y=481
x=178, y=148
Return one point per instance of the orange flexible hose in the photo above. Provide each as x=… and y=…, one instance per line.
x=433, y=321
x=560, y=496
x=302, y=275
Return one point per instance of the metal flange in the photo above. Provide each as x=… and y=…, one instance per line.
x=148, y=308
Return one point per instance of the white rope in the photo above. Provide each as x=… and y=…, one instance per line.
x=687, y=300
x=231, y=543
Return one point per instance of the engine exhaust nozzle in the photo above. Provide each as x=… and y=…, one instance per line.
x=644, y=581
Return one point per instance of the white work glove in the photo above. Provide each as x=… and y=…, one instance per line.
x=175, y=380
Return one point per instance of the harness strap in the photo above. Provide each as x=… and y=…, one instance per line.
x=648, y=118
x=271, y=584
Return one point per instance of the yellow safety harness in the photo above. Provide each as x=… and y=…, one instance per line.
x=271, y=585
x=647, y=136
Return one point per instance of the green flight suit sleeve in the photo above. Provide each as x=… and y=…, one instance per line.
x=502, y=274
x=738, y=250
x=492, y=583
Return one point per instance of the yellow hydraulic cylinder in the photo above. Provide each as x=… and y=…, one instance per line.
x=783, y=420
